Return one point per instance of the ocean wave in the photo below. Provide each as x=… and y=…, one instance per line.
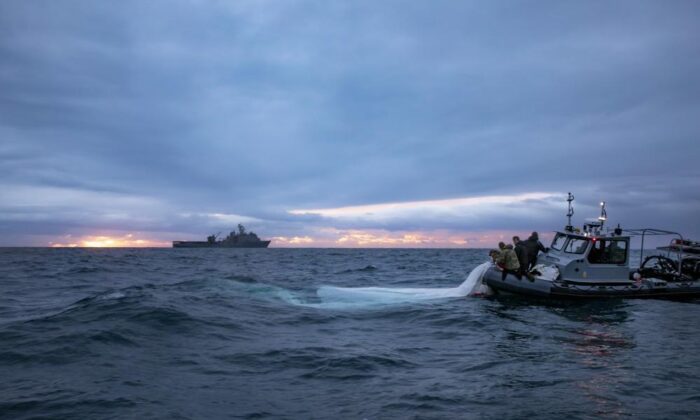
x=66, y=407
x=112, y=338
x=355, y=367
x=316, y=362
x=49, y=352
x=365, y=269
x=87, y=269
x=164, y=319
x=241, y=278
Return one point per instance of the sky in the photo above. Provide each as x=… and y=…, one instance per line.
x=362, y=123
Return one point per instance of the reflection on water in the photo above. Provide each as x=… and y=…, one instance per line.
x=592, y=339
x=603, y=312
x=598, y=344
x=601, y=347
x=599, y=390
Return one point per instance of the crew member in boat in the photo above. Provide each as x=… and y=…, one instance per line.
x=521, y=253
x=495, y=259
x=508, y=260
x=532, y=247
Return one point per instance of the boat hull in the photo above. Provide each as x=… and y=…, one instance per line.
x=204, y=244
x=648, y=288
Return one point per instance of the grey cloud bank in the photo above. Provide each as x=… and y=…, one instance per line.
x=154, y=116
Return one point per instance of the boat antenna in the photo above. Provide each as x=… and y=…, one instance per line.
x=603, y=214
x=570, y=213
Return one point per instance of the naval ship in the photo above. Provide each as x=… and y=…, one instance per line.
x=240, y=239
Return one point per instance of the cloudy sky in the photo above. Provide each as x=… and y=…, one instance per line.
x=359, y=123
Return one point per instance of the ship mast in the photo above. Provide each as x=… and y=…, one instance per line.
x=570, y=213
x=603, y=214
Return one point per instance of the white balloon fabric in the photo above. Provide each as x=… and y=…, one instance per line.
x=332, y=296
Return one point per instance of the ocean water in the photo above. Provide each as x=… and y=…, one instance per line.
x=308, y=333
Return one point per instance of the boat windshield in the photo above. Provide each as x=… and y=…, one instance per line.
x=558, y=242
x=576, y=246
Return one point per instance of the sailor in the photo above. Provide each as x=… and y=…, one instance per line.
x=509, y=260
x=532, y=247
x=495, y=256
x=521, y=253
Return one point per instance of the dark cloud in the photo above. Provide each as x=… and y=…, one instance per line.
x=130, y=115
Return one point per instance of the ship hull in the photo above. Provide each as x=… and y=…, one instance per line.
x=204, y=244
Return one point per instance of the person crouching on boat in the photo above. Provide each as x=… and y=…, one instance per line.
x=509, y=261
x=496, y=259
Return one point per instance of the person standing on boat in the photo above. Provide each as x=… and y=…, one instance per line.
x=509, y=260
x=532, y=247
x=521, y=253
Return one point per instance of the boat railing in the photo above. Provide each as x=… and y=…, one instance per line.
x=657, y=232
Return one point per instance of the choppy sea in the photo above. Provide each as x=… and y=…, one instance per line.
x=276, y=333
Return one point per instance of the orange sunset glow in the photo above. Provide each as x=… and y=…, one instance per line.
x=324, y=238
x=104, y=241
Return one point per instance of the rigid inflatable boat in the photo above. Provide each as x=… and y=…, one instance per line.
x=594, y=263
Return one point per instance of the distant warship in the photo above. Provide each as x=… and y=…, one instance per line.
x=240, y=239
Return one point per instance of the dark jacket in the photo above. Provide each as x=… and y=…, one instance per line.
x=532, y=246
x=521, y=253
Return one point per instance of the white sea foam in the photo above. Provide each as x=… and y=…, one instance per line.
x=111, y=296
